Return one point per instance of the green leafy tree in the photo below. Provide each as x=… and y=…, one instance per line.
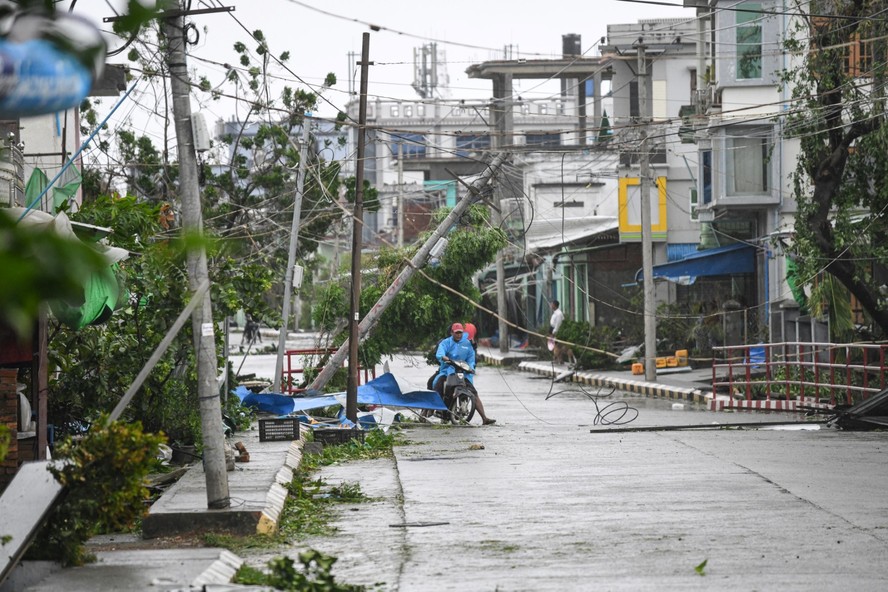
x=97, y=364
x=250, y=192
x=247, y=214
x=841, y=182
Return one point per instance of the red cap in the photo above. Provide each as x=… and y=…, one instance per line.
x=456, y=327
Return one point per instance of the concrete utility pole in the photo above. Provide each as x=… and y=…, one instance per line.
x=647, y=255
x=419, y=260
x=291, y=255
x=202, y=317
x=400, y=193
x=351, y=394
x=504, y=124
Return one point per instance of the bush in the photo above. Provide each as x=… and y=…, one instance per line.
x=585, y=336
x=104, y=488
x=313, y=575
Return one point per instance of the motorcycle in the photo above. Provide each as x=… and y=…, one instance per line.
x=458, y=394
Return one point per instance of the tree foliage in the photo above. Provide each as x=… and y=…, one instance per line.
x=97, y=364
x=424, y=309
x=247, y=200
x=39, y=266
x=104, y=479
x=841, y=182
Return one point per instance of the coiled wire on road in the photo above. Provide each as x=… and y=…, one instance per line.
x=614, y=413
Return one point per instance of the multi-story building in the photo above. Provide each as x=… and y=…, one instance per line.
x=745, y=200
x=572, y=191
x=414, y=148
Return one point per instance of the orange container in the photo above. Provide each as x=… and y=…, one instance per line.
x=682, y=357
x=661, y=362
x=637, y=368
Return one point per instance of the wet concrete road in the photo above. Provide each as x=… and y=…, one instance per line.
x=538, y=503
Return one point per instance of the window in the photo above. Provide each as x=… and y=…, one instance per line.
x=633, y=99
x=749, y=41
x=747, y=164
x=525, y=109
x=858, y=53
x=693, y=204
x=414, y=145
x=408, y=111
x=706, y=175
x=859, y=57
x=544, y=108
x=542, y=139
x=467, y=143
x=457, y=111
x=420, y=110
x=394, y=111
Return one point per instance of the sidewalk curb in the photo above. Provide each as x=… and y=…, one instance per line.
x=648, y=389
x=277, y=494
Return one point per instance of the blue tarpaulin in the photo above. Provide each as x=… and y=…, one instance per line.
x=728, y=260
x=384, y=390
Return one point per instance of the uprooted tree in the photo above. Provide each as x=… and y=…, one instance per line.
x=841, y=181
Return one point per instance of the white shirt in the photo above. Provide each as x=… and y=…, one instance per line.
x=555, y=320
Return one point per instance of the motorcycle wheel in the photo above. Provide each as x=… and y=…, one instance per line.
x=462, y=410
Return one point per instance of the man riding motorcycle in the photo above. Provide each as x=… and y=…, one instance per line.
x=458, y=347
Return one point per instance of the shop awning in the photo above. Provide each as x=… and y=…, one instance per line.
x=555, y=233
x=728, y=260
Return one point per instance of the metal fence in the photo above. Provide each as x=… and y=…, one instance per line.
x=799, y=372
x=300, y=361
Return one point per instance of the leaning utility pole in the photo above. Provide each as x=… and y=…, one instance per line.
x=202, y=318
x=647, y=255
x=291, y=256
x=418, y=261
x=351, y=394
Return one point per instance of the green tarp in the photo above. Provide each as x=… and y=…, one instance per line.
x=101, y=291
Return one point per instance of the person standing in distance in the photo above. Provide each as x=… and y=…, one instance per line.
x=554, y=324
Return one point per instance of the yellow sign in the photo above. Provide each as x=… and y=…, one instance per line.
x=630, y=211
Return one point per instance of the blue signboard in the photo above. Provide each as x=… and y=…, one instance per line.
x=48, y=62
x=37, y=78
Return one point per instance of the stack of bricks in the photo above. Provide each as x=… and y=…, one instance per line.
x=9, y=402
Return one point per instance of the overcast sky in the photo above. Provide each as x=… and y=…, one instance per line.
x=319, y=34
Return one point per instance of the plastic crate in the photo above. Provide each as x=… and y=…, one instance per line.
x=278, y=429
x=334, y=436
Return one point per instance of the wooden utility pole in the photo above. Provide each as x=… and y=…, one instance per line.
x=202, y=318
x=647, y=255
x=291, y=256
x=351, y=395
x=418, y=261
